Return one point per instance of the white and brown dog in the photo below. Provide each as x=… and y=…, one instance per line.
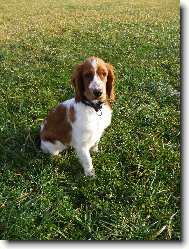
x=80, y=121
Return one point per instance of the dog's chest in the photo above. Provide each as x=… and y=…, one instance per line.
x=90, y=125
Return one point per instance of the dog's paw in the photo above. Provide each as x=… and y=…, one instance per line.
x=95, y=149
x=90, y=172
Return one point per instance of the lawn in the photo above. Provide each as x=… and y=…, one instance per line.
x=136, y=195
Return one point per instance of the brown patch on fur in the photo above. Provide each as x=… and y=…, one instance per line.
x=110, y=82
x=71, y=114
x=57, y=125
x=77, y=82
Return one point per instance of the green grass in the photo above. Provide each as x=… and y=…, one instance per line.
x=136, y=195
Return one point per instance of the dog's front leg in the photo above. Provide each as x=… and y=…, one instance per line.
x=86, y=161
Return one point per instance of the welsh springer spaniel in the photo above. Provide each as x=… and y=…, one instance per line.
x=80, y=121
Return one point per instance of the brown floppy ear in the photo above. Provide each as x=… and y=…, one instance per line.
x=110, y=82
x=77, y=82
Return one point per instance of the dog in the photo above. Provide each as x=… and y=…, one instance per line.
x=80, y=122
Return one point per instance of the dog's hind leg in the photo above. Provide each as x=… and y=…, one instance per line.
x=52, y=148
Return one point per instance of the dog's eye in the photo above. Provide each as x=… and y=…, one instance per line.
x=104, y=74
x=87, y=75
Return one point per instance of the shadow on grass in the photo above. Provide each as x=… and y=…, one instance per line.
x=22, y=149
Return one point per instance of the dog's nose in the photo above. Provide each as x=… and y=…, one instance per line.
x=97, y=93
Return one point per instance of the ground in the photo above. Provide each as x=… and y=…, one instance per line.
x=136, y=195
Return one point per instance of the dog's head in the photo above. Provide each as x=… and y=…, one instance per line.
x=94, y=79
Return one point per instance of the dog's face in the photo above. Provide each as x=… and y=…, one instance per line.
x=94, y=79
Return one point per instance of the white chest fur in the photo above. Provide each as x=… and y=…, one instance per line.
x=89, y=125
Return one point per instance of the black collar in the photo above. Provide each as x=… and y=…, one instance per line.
x=97, y=106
